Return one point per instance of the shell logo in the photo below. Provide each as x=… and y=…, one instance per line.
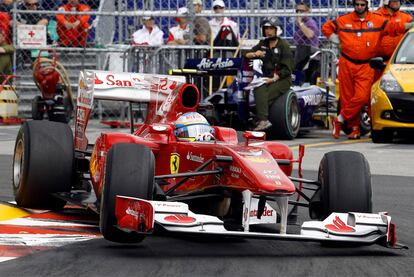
x=258, y=159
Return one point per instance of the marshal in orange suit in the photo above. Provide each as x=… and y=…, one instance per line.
x=358, y=33
x=72, y=29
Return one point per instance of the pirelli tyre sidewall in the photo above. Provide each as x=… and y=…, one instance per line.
x=42, y=164
x=345, y=180
x=129, y=171
x=284, y=114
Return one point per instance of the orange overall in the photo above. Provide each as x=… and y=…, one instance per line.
x=359, y=41
x=389, y=43
x=73, y=36
x=4, y=25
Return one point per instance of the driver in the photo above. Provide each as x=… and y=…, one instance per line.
x=193, y=126
x=277, y=69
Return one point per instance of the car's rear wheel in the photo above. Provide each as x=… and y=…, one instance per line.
x=129, y=171
x=345, y=180
x=42, y=164
x=284, y=115
x=382, y=136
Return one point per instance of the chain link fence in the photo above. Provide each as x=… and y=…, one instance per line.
x=98, y=34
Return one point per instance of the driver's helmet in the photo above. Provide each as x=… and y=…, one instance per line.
x=191, y=125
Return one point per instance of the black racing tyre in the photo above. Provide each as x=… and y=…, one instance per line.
x=43, y=164
x=382, y=136
x=345, y=180
x=37, y=111
x=284, y=114
x=129, y=171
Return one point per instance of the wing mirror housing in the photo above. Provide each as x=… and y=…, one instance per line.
x=162, y=129
x=249, y=135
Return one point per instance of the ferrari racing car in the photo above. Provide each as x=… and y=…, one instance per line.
x=177, y=173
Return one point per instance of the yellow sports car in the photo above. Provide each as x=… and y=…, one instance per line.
x=392, y=96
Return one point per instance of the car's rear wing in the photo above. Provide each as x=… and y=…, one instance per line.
x=117, y=86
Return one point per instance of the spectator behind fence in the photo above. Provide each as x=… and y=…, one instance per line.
x=6, y=52
x=306, y=40
x=149, y=34
x=51, y=5
x=5, y=18
x=277, y=65
x=225, y=31
x=6, y=5
x=31, y=18
x=4, y=25
x=179, y=34
x=202, y=28
x=73, y=29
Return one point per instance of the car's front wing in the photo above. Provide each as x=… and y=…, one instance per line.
x=138, y=215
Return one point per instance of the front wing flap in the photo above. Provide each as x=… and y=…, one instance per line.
x=138, y=215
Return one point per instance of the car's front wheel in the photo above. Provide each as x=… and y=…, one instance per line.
x=345, y=185
x=129, y=171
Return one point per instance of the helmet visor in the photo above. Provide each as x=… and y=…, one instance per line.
x=191, y=131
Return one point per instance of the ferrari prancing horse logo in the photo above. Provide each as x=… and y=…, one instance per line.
x=174, y=163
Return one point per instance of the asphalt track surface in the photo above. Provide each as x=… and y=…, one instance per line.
x=163, y=255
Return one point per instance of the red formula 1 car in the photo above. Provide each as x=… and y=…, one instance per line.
x=152, y=177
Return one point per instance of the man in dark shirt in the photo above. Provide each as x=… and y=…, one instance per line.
x=277, y=68
x=202, y=28
x=6, y=5
x=306, y=40
x=31, y=18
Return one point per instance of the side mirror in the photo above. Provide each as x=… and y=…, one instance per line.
x=248, y=135
x=161, y=129
x=377, y=63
